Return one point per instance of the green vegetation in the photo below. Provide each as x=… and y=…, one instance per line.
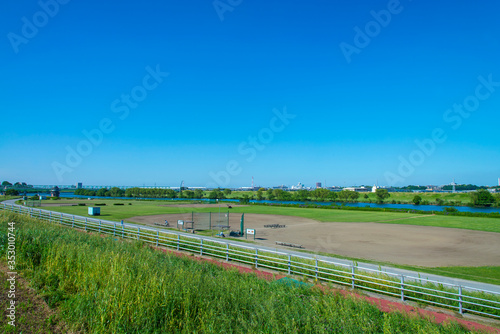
x=482, y=197
x=11, y=192
x=320, y=195
x=381, y=194
x=101, y=285
x=417, y=200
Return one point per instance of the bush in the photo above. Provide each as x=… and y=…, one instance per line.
x=100, y=204
x=118, y=204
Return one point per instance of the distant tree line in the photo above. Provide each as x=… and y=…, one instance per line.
x=462, y=187
x=16, y=185
x=481, y=197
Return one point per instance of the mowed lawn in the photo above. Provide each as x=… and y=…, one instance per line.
x=144, y=208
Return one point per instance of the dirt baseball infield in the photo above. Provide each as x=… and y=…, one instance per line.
x=399, y=244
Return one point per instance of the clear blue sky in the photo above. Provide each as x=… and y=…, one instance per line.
x=359, y=100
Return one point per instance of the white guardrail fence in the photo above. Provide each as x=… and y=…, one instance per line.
x=457, y=297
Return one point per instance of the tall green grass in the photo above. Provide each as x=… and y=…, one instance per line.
x=104, y=285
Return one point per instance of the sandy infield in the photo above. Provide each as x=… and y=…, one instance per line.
x=401, y=244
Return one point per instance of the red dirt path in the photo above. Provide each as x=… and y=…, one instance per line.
x=382, y=304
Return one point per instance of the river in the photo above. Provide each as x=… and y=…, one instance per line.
x=360, y=205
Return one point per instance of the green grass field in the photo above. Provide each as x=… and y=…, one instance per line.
x=102, y=285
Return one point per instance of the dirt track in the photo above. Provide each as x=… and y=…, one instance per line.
x=401, y=244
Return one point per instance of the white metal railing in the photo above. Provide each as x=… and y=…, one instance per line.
x=461, y=298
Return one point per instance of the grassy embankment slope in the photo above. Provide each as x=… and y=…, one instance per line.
x=101, y=285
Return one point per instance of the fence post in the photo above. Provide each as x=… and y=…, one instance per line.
x=138, y=231
x=460, y=310
x=114, y=229
x=178, y=241
x=73, y=221
x=72, y=224
x=289, y=263
x=256, y=258
x=123, y=231
x=157, y=237
x=227, y=252
x=316, y=270
x=353, y=278
x=402, y=288
x=60, y=219
x=85, y=224
x=201, y=247
x=99, y=226
x=50, y=216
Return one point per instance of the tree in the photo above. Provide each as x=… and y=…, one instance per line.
x=198, y=193
x=260, y=194
x=321, y=193
x=116, y=192
x=353, y=196
x=6, y=183
x=417, y=199
x=333, y=195
x=216, y=194
x=302, y=195
x=101, y=192
x=188, y=193
x=269, y=194
x=12, y=192
x=278, y=193
x=170, y=193
x=348, y=195
x=245, y=199
x=227, y=192
x=382, y=194
x=482, y=197
x=497, y=197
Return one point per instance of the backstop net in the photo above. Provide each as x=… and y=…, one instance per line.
x=210, y=220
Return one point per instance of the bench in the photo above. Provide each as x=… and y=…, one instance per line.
x=288, y=244
x=275, y=226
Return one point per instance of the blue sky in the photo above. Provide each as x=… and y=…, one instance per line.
x=214, y=93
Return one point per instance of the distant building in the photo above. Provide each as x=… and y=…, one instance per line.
x=374, y=188
x=318, y=185
x=357, y=189
x=79, y=185
x=299, y=186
